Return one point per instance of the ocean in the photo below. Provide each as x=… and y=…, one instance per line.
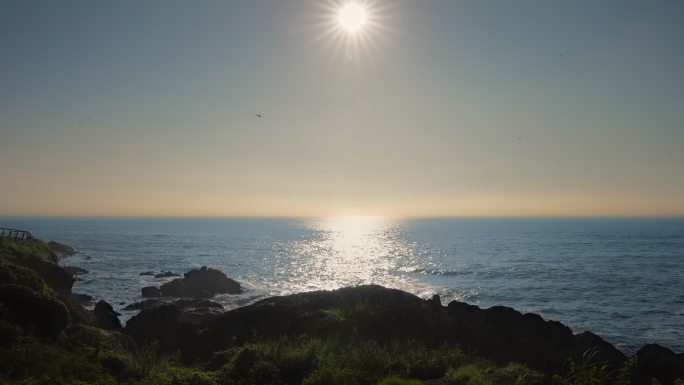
x=621, y=278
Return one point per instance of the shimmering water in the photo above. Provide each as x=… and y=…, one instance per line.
x=620, y=278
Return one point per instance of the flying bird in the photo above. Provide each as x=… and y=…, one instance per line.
x=258, y=115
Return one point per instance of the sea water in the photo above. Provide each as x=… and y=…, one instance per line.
x=621, y=278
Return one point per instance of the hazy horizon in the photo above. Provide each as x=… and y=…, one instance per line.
x=423, y=109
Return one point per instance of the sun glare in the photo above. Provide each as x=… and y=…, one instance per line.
x=352, y=28
x=352, y=17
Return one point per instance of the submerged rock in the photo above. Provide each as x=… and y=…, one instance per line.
x=149, y=272
x=165, y=274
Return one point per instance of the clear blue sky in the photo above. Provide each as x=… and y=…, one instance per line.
x=439, y=108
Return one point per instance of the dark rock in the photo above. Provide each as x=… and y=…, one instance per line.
x=589, y=344
x=504, y=334
x=146, y=304
x=193, y=310
x=106, y=317
x=177, y=288
x=201, y=283
x=73, y=270
x=49, y=315
x=211, y=280
x=182, y=303
x=656, y=361
x=165, y=274
x=367, y=312
x=161, y=324
x=61, y=250
x=54, y=275
x=500, y=334
x=149, y=272
x=82, y=298
x=151, y=292
x=91, y=336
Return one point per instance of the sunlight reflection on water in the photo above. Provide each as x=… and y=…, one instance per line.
x=347, y=251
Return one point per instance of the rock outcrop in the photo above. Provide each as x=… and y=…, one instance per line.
x=106, y=317
x=74, y=270
x=377, y=313
x=162, y=324
x=151, y=292
x=504, y=334
x=193, y=310
x=661, y=363
x=61, y=249
x=49, y=315
x=201, y=283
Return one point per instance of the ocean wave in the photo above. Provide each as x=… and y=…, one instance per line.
x=441, y=272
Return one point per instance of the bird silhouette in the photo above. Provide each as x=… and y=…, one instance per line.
x=258, y=115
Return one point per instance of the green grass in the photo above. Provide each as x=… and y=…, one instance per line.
x=33, y=248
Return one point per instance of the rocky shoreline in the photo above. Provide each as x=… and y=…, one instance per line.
x=180, y=316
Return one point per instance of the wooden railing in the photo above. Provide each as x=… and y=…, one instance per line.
x=15, y=234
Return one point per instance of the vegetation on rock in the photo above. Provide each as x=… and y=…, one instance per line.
x=353, y=336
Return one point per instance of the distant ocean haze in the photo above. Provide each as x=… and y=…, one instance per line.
x=618, y=277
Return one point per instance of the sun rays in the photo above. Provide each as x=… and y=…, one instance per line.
x=351, y=28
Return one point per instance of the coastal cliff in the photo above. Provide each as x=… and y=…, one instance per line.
x=356, y=335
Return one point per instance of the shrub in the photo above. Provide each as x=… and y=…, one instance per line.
x=394, y=380
x=334, y=376
x=472, y=374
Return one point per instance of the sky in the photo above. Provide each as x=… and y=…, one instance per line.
x=431, y=108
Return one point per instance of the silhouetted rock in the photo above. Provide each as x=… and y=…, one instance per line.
x=504, y=334
x=661, y=363
x=60, y=249
x=149, y=272
x=49, y=315
x=180, y=302
x=73, y=270
x=193, y=310
x=161, y=324
x=106, y=317
x=376, y=313
x=201, y=283
x=151, y=292
x=166, y=274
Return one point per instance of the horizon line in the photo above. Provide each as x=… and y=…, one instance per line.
x=114, y=216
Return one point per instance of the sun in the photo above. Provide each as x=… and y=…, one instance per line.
x=352, y=29
x=352, y=17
